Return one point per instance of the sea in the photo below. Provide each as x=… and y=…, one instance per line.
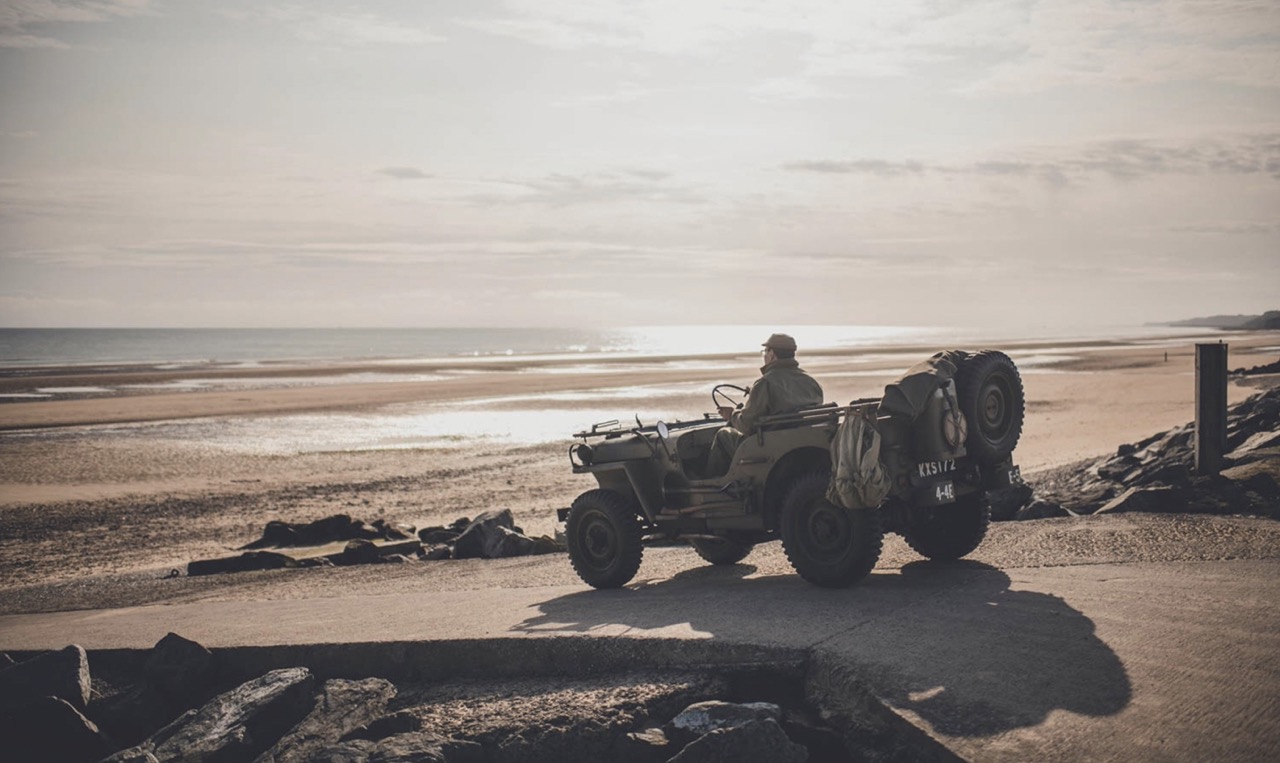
x=512, y=419
x=23, y=347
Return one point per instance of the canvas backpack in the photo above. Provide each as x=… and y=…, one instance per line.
x=858, y=478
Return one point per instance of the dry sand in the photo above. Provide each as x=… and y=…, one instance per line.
x=79, y=500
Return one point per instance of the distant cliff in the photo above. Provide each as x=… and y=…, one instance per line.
x=1269, y=320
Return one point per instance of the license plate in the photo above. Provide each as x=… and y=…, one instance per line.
x=944, y=492
x=934, y=468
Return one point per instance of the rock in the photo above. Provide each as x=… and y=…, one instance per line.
x=1125, y=450
x=702, y=717
x=1006, y=503
x=1255, y=442
x=755, y=741
x=182, y=670
x=334, y=528
x=545, y=544
x=49, y=728
x=1263, y=484
x=331, y=529
x=1118, y=468
x=342, y=706
x=394, y=530
x=435, y=553
x=492, y=535
x=397, y=559
x=363, y=551
x=437, y=535
x=63, y=674
x=413, y=747
x=1042, y=510
x=276, y=533
x=646, y=746
x=1160, y=499
x=250, y=560
x=358, y=552
x=355, y=751
x=388, y=725
x=239, y=724
x=130, y=716
x=138, y=754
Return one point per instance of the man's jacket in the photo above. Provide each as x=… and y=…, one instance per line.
x=783, y=388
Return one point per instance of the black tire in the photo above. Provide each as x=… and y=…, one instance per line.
x=991, y=399
x=948, y=532
x=604, y=539
x=828, y=545
x=721, y=551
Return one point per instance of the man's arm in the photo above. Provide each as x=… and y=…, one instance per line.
x=757, y=406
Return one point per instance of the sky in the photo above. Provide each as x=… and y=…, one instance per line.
x=1051, y=163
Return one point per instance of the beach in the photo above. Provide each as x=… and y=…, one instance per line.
x=137, y=470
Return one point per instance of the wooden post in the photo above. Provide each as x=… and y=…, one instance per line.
x=1211, y=406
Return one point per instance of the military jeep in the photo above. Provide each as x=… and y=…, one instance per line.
x=653, y=485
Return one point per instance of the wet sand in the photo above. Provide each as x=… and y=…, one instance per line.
x=87, y=489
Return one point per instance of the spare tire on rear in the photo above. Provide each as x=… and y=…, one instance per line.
x=990, y=393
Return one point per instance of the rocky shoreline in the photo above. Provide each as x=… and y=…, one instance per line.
x=174, y=706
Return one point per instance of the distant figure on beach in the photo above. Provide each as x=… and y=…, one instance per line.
x=782, y=388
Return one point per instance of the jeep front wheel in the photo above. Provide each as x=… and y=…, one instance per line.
x=604, y=539
x=721, y=551
x=950, y=531
x=828, y=545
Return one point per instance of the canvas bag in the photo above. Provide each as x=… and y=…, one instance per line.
x=858, y=479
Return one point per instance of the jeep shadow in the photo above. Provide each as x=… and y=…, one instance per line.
x=950, y=642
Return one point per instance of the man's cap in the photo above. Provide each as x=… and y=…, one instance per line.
x=780, y=342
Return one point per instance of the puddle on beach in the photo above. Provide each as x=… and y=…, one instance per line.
x=509, y=420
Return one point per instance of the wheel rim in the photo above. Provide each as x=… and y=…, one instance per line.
x=600, y=541
x=995, y=409
x=828, y=529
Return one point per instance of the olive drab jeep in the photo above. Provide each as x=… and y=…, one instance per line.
x=944, y=435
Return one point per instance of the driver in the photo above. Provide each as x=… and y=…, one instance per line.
x=782, y=388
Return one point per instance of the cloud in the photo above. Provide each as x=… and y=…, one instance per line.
x=1124, y=159
x=17, y=17
x=348, y=29
x=404, y=173
x=970, y=46
x=563, y=189
x=1231, y=228
x=878, y=167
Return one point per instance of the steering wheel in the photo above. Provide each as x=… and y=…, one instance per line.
x=720, y=398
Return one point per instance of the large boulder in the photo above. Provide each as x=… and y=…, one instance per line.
x=703, y=717
x=239, y=724
x=182, y=670
x=342, y=707
x=401, y=722
x=131, y=715
x=49, y=728
x=1042, y=510
x=63, y=674
x=756, y=741
x=492, y=535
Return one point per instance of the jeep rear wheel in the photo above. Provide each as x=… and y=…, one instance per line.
x=721, y=551
x=948, y=532
x=989, y=390
x=604, y=539
x=828, y=545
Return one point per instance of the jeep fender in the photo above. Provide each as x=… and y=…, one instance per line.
x=791, y=467
x=636, y=481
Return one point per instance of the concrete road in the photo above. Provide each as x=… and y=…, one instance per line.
x=1108, y=661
